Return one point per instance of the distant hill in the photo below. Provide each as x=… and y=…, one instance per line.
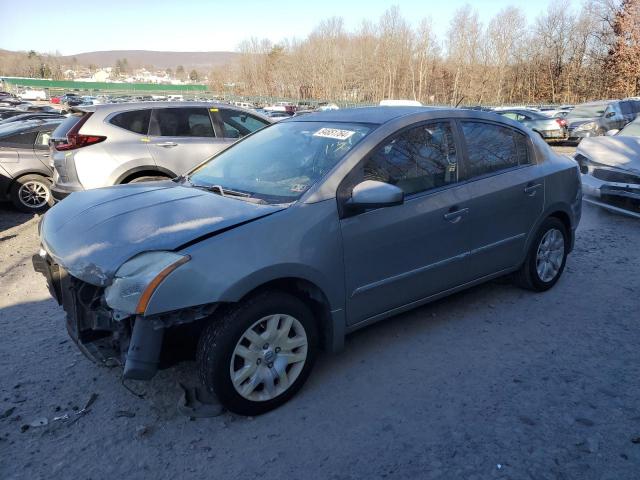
x=162, y=60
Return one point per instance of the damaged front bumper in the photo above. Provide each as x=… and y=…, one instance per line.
x=107, y=337
x=612, y=189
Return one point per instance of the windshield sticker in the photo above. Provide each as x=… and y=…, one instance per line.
x=334, y=133
x=299, y=187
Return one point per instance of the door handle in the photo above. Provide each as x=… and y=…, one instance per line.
x=45, y=155
x=167, y=144
x=455, y=216
x=531, y=189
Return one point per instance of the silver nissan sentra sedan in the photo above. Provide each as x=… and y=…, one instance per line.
x=302, y=233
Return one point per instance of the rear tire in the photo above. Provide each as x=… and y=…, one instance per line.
x=242, y=339
x=546, y=258
x=31, y=194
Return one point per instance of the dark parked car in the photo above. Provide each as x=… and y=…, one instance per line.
x=547, y=128
x=303, y=232
x=25, y=174
x=597, y=118
x=9, y=112
x=32, y=116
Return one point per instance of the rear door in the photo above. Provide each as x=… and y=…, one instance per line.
x=17, y=155
x=182, y=137
x=41, y=147
x=507, y=194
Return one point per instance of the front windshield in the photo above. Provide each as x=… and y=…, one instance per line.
x=631, y=130
x=281, y=162
x=588, y=111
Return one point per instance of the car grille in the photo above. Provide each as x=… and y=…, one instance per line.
x=613, y=176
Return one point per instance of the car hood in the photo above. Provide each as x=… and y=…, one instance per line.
x=620, y=152
x=92, y=233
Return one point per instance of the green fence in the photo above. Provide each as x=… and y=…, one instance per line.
x=55, y=86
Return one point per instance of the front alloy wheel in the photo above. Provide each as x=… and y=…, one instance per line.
x=269, y=357
x=257, y=354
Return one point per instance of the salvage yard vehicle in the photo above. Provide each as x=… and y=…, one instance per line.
x=25, y=175
x=31, y=94
x=106, y=145
x=610, y=168
x=303, y=232
x=547, y=128
x=596, y=118
x=31, y=116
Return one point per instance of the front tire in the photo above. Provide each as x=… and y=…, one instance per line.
x=547, y=257
x=31, y=194
x=258, y=353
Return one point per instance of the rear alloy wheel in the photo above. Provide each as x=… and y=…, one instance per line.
x=31, y=194
x=546, y=258
x=258, y=353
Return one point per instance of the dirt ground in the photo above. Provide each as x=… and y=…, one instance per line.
x=494, y=382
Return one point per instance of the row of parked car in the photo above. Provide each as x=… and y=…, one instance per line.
x=46, y=154
x=573, y=123
x=266, y=241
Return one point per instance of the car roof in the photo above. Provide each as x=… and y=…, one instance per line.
x=377, y=115
x=27, y=125
x=381, y=115
x=117, y=107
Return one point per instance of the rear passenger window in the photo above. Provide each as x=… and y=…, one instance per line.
x=26, y=138
x=43, y=139
x=492, y=148
x=181, y=122
x=136, y=121
x=238, y=124
x=417, y=160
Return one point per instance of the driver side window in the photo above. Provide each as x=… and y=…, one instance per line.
x=419, y=159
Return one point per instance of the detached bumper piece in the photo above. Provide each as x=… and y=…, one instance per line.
x=131, y=342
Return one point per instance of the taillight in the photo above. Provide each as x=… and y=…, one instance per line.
x=76, y=140
x=561, y=121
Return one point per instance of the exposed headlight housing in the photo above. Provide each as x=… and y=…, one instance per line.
x=137, y=279
x=587, y=126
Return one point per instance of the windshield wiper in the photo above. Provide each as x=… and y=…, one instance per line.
x=224, y=191
x=227, y=192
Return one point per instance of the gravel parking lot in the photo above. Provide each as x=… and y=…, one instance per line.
x=495, y=382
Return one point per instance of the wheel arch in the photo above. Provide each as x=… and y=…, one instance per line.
x=24, y=173
x=313, y=296
x=562, y=213
x=143, y=171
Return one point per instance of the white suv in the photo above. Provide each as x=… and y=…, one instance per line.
x=105, y=145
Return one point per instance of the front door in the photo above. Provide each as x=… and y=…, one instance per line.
x=182, y=137
x=398, y=255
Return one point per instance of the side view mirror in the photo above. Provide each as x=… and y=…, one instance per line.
x=610, y=114
x=612, y=132
x=374, y=194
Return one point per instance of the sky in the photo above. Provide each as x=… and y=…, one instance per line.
x=199, y=25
